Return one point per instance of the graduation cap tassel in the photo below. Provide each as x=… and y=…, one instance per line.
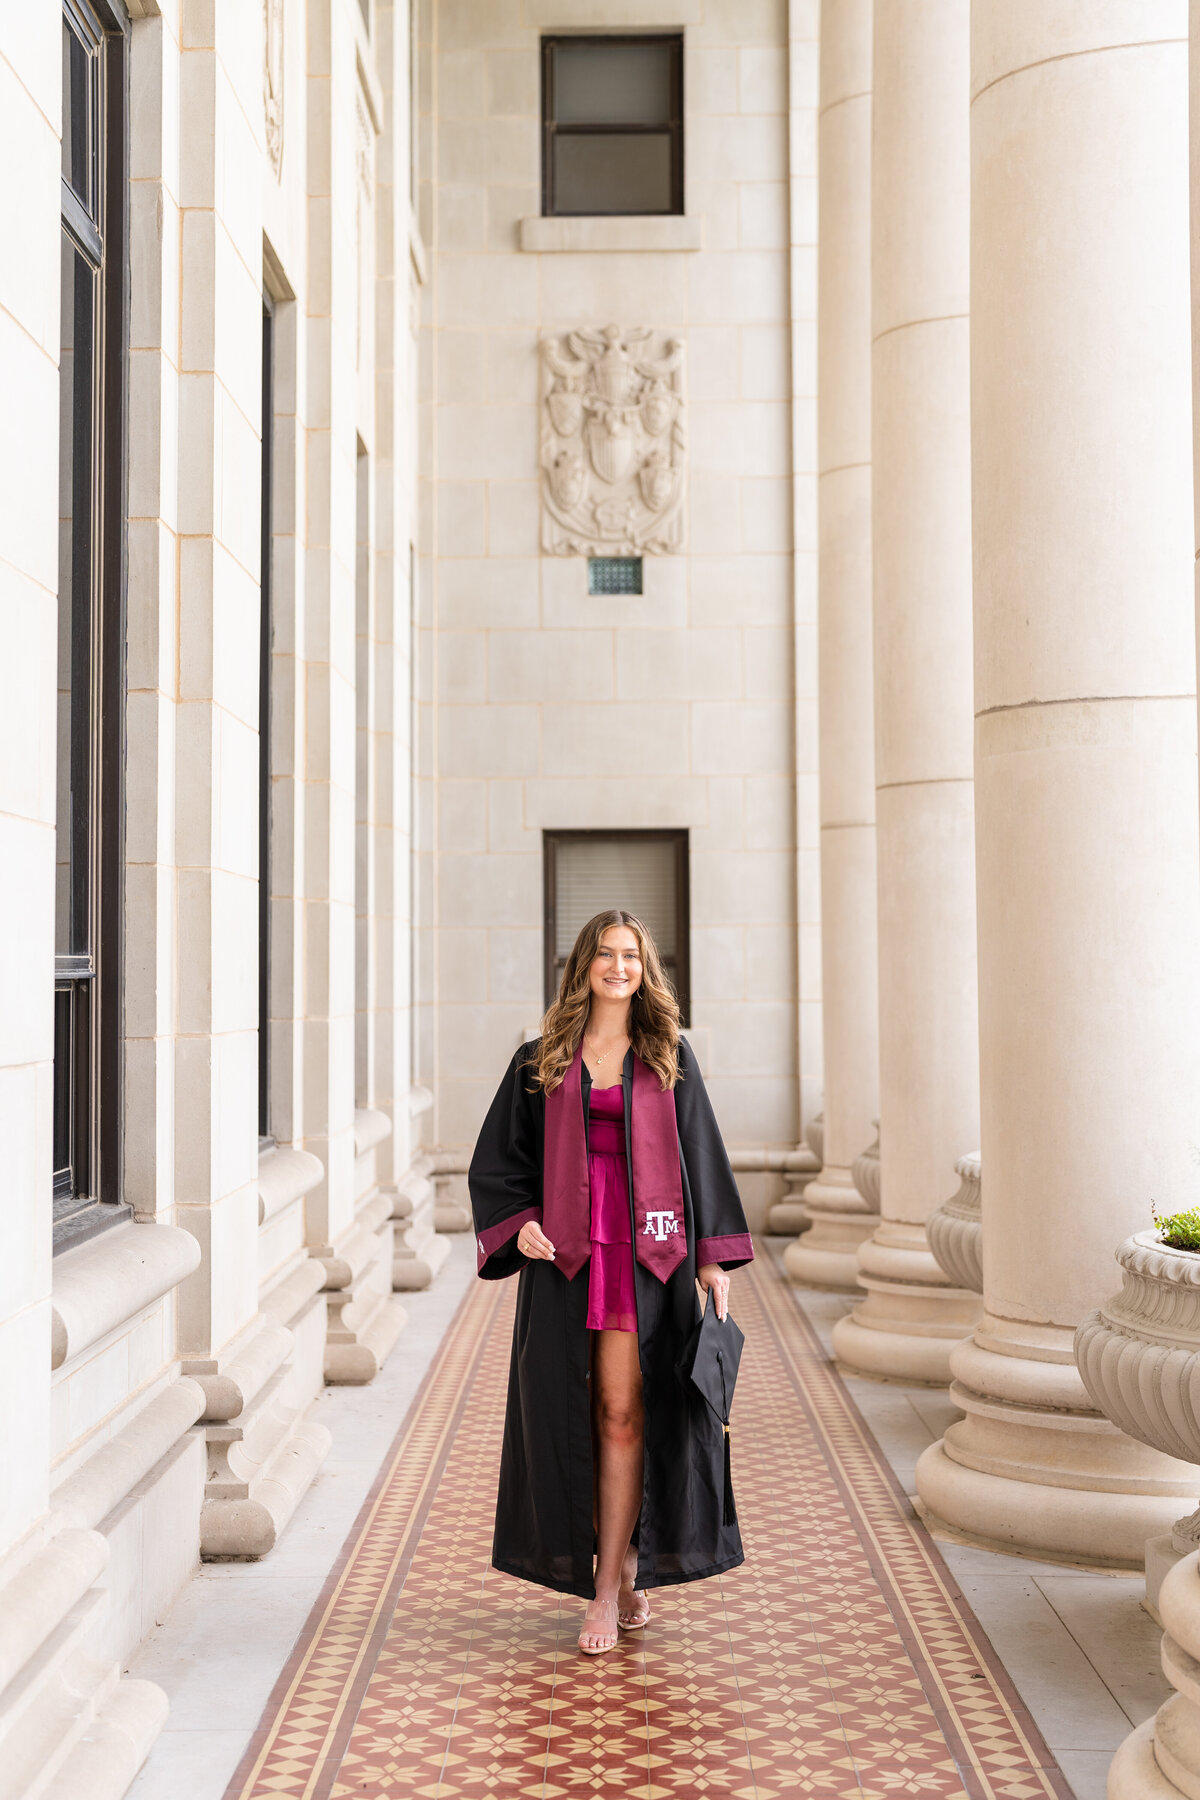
x=729, y=1512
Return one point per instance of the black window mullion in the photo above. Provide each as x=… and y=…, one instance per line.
x=80, y=225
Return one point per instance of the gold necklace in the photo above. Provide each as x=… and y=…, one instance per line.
x=599, y=1059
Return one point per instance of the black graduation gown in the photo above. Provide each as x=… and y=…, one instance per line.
x=544, y=1514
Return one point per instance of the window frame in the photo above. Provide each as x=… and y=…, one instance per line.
x=552, y=130
x=678, y=837
x=87, y=1190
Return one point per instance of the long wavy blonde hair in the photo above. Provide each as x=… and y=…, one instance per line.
x=653, y=1011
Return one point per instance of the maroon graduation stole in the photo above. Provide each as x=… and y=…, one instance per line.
x=659, y=1238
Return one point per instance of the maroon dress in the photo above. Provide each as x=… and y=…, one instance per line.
x=612, y=1305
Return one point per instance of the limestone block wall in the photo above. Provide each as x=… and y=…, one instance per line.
x=157, y=1377
x=100, y=1466
x=691, y=705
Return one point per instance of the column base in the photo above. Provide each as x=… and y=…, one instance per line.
x=787, y=1218
x=1033, y=1467
x=911, y=1319
x=1134, y=1774
x=841, y=1223
x=1161, y=1759
x=364, y=1320
x=262, y=1450
x=452, y=1201
x=419, y=1251
x=246, y=1526
x=1161, y=1557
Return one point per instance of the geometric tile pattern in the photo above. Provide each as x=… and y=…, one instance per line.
x=840, y=1662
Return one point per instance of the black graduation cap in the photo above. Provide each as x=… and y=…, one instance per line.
x=710, y=1362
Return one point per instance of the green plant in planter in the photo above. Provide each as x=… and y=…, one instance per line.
x=1181, y=1231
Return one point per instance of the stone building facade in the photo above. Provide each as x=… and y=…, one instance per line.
x=395, y=561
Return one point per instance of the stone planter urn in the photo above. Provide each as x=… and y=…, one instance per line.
x=816, y=1137
x=866, y=1172
x=955, y=1230
x=1139, y=1357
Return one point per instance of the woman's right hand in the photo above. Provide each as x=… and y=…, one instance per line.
x=533, y=1242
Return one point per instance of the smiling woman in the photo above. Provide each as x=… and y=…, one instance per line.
x=601, y=1152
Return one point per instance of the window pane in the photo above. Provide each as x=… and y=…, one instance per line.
x=612, y=84
x=612, y=173
x=77, y=452
x=63, y=1094
x=635, y=874
x=77, y=76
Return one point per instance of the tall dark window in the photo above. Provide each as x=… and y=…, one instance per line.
x=91, y=625
x=612, y=125
x=264, y=721
x=642, y=872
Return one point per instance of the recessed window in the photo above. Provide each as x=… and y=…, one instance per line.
x=642, y=872
x=91, y=629
x=614, y=574
x=612, y=125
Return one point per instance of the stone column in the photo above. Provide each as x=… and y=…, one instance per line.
x=841, y=1216
x=921, y=527
x=1088, y=863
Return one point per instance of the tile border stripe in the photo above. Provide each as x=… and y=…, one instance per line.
x=440, y=1401
x=820, y=1391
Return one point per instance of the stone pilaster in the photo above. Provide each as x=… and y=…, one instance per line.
x=921, y=550
x=1088, y=861
x=349, y=1226
x=841, y=1217
x=216, y=732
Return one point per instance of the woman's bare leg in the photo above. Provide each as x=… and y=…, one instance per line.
x=633, y=1608
x=618, y=1424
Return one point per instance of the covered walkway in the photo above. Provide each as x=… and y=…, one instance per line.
x=842, y=1659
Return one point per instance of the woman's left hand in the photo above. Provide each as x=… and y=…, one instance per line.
x=715, y=1281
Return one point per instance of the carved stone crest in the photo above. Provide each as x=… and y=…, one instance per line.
x=273, y=80
x=612, y=443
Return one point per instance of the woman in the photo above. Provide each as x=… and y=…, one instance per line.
x=600, y=1174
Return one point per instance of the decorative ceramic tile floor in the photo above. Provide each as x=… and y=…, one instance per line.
x=841, y=1660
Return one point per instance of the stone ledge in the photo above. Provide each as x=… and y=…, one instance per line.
x=89, y=1495
x=281, y=1303
x=283, y=1177
x=112, y=1278
x=652, y=232
x=371, y=1127
x=798, y=1161
x=414, y=1190
x=359, y=1247
x=37, y=1599
x=114, y=1746
x=228, y=1389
